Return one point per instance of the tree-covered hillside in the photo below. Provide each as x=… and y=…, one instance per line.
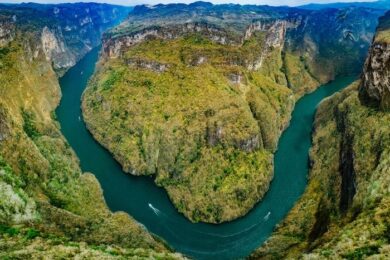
x=197, y=95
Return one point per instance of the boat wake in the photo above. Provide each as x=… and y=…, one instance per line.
x=155, y=210
x=246, y=230
x=266, y=217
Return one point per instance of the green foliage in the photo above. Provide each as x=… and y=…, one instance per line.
x=114, y=77
x=298, y=75
x=53, y=115
x=29, y=124
x=8, y=176
x=32, y=233
x=10, y=231
x=362, y=253
x=197, y=39
x=4, y=51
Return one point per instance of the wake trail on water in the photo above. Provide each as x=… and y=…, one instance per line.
x=162, y=214
x=240, y=243
x=226, y=248
x=155, y=210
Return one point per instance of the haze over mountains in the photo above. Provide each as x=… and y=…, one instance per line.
x=382, y=4
x=154, y=2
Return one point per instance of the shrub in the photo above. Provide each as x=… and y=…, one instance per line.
x=32, y=233
x=11, y=231
x=29, y=124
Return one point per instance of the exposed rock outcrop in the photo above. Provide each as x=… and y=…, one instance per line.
x=375, y=84
x=4, y=128
x=56, y=50
x=7, y=31
x=275, y=38
x=114, y=46
x=145, y=64
x=250, y=144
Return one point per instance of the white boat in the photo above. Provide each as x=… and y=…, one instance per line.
x=156, y=211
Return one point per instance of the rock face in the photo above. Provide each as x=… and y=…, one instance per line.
x=7, y=31
x=56, y=51
x=4, y=128
x=114, y=46
x=176, y=114
x=274, y=38
x=145, y=64
x=375, y=85
x=16, y=205
x=376, y=75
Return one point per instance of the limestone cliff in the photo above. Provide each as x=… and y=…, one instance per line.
x=113, y=46
x=375, y=85
x=7, y=30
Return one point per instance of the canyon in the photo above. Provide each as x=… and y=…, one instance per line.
x=195, y=99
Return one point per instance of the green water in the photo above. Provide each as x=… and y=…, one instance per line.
x=150, y=205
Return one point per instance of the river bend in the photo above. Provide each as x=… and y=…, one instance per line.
x=150, y=205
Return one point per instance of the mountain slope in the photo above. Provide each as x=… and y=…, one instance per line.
x=344, y=212
x=198, y=95
x=48, y=208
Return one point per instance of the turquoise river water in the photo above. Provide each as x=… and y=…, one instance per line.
x=150, y=205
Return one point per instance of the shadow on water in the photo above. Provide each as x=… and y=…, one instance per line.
x=150, y=205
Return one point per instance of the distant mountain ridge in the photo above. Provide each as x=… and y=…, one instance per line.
x=382, y=4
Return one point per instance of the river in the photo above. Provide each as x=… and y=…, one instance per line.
x=150, y=205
